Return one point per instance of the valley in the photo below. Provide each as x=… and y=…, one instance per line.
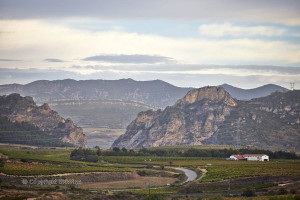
x=49, y=173
x=133, y=150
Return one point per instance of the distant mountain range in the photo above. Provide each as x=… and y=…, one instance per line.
x=210, y=115
x=247, y=94
x=156, y=93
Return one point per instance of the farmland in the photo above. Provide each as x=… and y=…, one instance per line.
x=133, y=173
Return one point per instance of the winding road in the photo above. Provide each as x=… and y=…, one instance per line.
x=189, y=173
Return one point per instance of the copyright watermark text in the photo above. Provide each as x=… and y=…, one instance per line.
x=51, y=182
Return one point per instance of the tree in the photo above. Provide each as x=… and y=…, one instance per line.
x=124, y=150
x=249, y=193
x=2, y=162
x=162, y=166
x=116, y=149
x=99, y=153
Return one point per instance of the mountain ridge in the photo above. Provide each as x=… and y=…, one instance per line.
x=156, y=93
x=210, y=115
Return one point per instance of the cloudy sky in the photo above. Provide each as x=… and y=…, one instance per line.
x=186, y=43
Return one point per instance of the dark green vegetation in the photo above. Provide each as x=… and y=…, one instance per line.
x=48, y=169
x=28, y=134
x=86, y=155
x=99, y=112
x=174, y=151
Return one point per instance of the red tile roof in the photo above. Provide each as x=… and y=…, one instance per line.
x=240, y=157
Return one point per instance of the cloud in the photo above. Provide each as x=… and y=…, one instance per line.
x=239, y=70
x=35, y=40
x=53, y=60
x=9, y=60
x=138, y=59
x=227, y=29
x=275, y=11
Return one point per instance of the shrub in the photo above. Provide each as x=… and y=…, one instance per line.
x=2, y=162
x=248, y=193
x=282, y=191
x=155, y=197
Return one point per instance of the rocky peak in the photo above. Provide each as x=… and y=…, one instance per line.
x=191, y=120
x=24, y=109
x=210, y=93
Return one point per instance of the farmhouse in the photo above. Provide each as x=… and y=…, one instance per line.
x=250, y=157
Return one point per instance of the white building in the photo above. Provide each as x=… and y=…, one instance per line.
x=250, y=157
x=256, y=157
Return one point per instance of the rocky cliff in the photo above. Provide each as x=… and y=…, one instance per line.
x=210, y=115
x=24, y=109
x=191, y=120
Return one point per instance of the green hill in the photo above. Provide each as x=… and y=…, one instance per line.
x=25, y=133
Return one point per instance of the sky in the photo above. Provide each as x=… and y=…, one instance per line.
x=190, y=43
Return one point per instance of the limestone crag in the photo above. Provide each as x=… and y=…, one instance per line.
x=210, y=115
x=191, y=120
x=24, y=109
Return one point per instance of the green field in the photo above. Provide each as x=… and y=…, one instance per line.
x=28, y=169
x=217, y=168
x=24, y=161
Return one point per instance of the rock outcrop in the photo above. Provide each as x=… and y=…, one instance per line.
x=210, y=115
x=191, y=120
x=24, y=109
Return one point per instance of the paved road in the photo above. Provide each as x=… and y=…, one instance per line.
x=189, y=173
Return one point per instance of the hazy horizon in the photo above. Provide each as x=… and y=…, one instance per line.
x=142, y=81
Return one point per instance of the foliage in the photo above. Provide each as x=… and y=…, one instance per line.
x=218, y=170
x=86, y=155
x=2, y=162
x=26, y=169
x=155, y=197
x=282, y=191
x=26, y=133
x=249, y=192
x=191, y=188
x=198, y=152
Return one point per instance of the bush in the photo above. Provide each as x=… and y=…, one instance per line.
x=155, y=197
x=2, y=162
x=218, y=197
x=282, y=191
x=142, y=173
x=191, y=188
x=249, y=193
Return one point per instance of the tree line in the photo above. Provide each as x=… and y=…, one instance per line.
x=90, y=155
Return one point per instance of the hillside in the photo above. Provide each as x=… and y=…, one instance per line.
x=23, y=109
x=27, y=134
x=210, y=115
x=114, y=114
x=156, y=93
x=247, y=94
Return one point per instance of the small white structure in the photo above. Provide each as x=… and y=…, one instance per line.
x=256, y=157
x=250, y=157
